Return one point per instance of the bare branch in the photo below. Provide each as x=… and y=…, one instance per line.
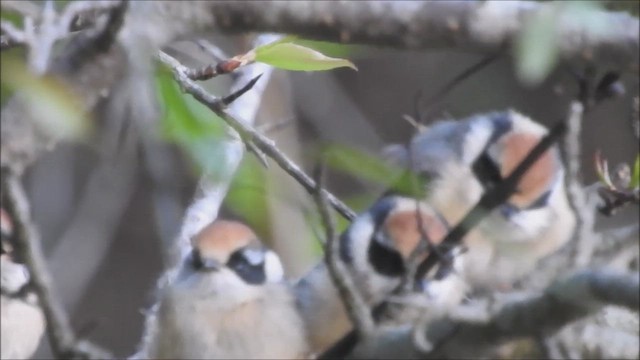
x=448, y=87
x=563, y=302
x=357, y=309
x=62, y=339
x=226, y=66
x=585, y=213
x=465, y=25
x=248, y=134
x=12, y=33
x=52, y=27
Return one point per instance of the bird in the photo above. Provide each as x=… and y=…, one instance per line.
x=227, y=301
x=375, y=248
x=22, y=321
x=460, y=160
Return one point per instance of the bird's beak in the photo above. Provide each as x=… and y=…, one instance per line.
x=204, y=264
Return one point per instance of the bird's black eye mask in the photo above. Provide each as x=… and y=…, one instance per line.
x=484, y=167
x=248, y=264
x=385, y=261
x=488, y=174
x=486, y=171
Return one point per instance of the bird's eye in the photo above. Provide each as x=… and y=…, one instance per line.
x=385, y=261
x=486, y=171
x=248, y=265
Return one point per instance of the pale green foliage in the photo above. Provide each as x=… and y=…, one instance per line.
x=188, y=123
x=287, y=55
x=53, y=107
x=372, y=168
x=635, y=178
x=537, y=47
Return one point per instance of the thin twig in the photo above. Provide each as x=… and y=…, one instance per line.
x=63, y=342
x=585, y=213
x=221, y=68
x=248, y=134
x=53, y=27
x=224, y=65
x=217, y=53
x=449, y=86
x=355, y=305
x=424, y=244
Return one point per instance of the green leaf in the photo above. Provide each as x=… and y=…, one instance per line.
x=12, y=17
x=192, y=126
x=53, y=106
x=537, y=48
x=247, y=195
x=290, y=56
x=330, y=48
x=635, y=179
x=373, y=169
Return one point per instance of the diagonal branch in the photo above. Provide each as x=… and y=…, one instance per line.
x=249, y=134
x=211, y=191
x=357, y=309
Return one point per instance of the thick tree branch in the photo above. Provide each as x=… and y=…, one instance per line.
x=563, y=302
x=479, y=26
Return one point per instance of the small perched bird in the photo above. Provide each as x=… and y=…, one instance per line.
x=22, y=322
x=228, y=301
x=375, y=249
x=463, y=159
